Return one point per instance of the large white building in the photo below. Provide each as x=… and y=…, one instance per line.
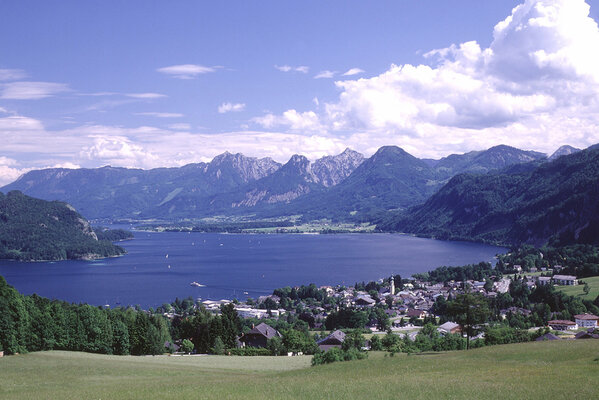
x=566, y=280
x=586, y=320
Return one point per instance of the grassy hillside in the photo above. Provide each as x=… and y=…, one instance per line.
x=577, y=291
x=566, y=369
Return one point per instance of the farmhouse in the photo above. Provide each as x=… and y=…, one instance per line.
x=587, y=320
x=566, y=280
x=449, y=327
x=562, y=325
x=335, y=339
x=259, y=336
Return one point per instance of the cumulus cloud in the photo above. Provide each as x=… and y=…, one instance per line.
x=353, y=71
x=536, y=85
x=186, y=71
x=231, y=107
x=296, y=121
x=31, y=90
x=287, y=68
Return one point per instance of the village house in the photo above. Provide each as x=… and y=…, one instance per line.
x=364, y=301
x=259, y=336
x=543, y=280
x=586, y=320
x=562, y=325
x=335, y=339
x=449, y=328
x=566, y=280
x=420, y=314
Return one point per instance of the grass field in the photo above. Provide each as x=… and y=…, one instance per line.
x=557, y=369
x=577, y=290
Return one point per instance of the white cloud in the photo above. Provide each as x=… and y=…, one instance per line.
x=160, y=114
x=180, y=127
x=145, y=95
x=31, y=90
x=186, y=71
x=12, y=74
x=231, y=107
x=295, y=121
x=325, y=74
x=353, y=71
x=536, y=85
x=287, y=68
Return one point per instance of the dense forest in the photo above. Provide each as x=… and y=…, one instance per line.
x=33, y=229
x=553, y=203
x=34, y=323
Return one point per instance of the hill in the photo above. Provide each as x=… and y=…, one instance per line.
x=554, y=202
x=33, y=229
x=538, y=370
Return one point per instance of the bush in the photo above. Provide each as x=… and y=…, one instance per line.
x=336, y=354
x=249, y=351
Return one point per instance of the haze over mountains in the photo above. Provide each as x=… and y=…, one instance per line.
x=342, y=187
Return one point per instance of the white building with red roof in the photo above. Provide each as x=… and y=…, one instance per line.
x=587, y=320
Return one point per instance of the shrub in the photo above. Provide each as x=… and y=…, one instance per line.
x=249, y=351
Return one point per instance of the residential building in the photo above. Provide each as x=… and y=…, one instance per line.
x=259, y=336
x=586, y=320
x=335, y=339
x=566, y=280
x=562, y=325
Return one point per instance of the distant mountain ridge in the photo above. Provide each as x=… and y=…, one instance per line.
x=342, y=187
x=556, y=201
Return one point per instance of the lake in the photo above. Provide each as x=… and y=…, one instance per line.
x=160, y=266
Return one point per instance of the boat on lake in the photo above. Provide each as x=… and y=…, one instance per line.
x=194, y=283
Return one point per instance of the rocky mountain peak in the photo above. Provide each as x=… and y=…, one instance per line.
x=563, y=151
x=331, y=170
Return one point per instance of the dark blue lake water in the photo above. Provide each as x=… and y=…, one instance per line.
x=160, y=266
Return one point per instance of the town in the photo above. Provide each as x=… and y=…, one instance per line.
x=516, y=302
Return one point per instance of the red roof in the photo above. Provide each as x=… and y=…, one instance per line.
x=589, y=317
x=561, y=322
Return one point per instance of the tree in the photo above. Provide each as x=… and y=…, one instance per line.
x=219, y=346
x=586, y=289
x=186, y=346
x=469, y=310
x=375, y=343
x=275, y=345
x=353, y=340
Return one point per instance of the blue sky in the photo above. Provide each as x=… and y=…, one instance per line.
x=157, y=83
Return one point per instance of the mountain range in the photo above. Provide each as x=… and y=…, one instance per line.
x=555, y=202
x=345, y=187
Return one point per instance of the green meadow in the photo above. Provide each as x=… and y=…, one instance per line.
x=578, y=290
x=538, y=370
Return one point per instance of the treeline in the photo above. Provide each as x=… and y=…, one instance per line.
x=477, y=272
x=33, y=229
x=581, y=260
x=34, y=323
